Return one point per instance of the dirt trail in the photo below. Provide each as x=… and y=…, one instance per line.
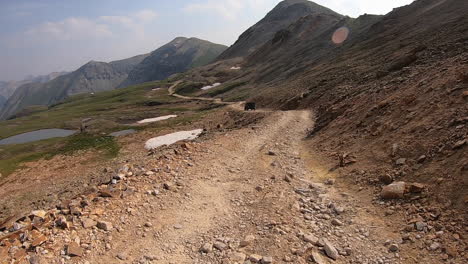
x=255, y=183
x=214, y=100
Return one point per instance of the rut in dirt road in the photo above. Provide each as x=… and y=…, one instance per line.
x=213, y=189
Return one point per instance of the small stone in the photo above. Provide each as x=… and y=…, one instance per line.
x=237, y=257
x=415, y=187
x=74, y=250
x=106, y=226
x=207, y=248
x=267, y=260
x=271, y=153
x=434, y=246
x=148, y=224
x=317, y=258
x=38, y=213
x=310, y=239
x=168, y=186
x=420, y=226
x=219, y=245
x=386, y=179
x=330, y=250
x=393, y=248
x=330, y=181
x=400, y=161
x=336, y=222
x=62, y=222
x=88, y=223
x=247, y=241
x=106, y=194
x=421, y=159
x=395, y=190
x=255, y=258
x=122, y=256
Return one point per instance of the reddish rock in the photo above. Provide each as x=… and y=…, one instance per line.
x=415, y=187
x=395, y=190
x=74, y=250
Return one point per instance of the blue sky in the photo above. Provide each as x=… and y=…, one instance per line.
x=43, y=36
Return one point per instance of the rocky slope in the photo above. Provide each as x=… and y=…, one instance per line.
x=91, y=77
x=177, y=56
x=390, y=101
x=283, y=15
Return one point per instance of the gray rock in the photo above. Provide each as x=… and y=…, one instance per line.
x=106, y=226
x=219, y=245
x=330, y=250
x=267, y=260
x=394, y=248
x=207, y=248
x=317, y=258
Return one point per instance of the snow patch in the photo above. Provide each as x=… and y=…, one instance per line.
x=170, y=139
x=211, y=86
x=235, y=68
x=156, y=119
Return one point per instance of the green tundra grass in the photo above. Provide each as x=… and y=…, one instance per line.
x=110, y=111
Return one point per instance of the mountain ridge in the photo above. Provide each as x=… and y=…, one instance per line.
x=279, y=18
x=177, y=56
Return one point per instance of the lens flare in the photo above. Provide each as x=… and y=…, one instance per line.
x=340, y=35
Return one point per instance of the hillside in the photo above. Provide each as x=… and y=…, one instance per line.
x=283, y=15
x=90, y=78
x=356, y=152
x=177, y=56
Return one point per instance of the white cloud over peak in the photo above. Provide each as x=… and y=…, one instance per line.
x=73, y=28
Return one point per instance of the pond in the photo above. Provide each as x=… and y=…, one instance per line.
x=123, y=133
x=37, y=135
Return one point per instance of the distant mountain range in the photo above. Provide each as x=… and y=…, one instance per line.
x=177, y=56
x=7, y=88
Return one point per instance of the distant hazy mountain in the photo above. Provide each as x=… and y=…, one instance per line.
x=177, y=56
x=8, y=88
x=91, y=77
x=283, y=15
x=2, y=101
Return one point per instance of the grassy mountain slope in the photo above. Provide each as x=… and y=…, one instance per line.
x=177, y=56
x=91, y=77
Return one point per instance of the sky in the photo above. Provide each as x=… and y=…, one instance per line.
x=43, y=36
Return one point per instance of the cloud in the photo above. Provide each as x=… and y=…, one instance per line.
x=228, y=9
x=70, y=29
x=145, y=16
x=74, y=28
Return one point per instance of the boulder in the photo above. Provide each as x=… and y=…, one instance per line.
x=395, y=190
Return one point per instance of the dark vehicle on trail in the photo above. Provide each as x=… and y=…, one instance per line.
x=249, y=106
